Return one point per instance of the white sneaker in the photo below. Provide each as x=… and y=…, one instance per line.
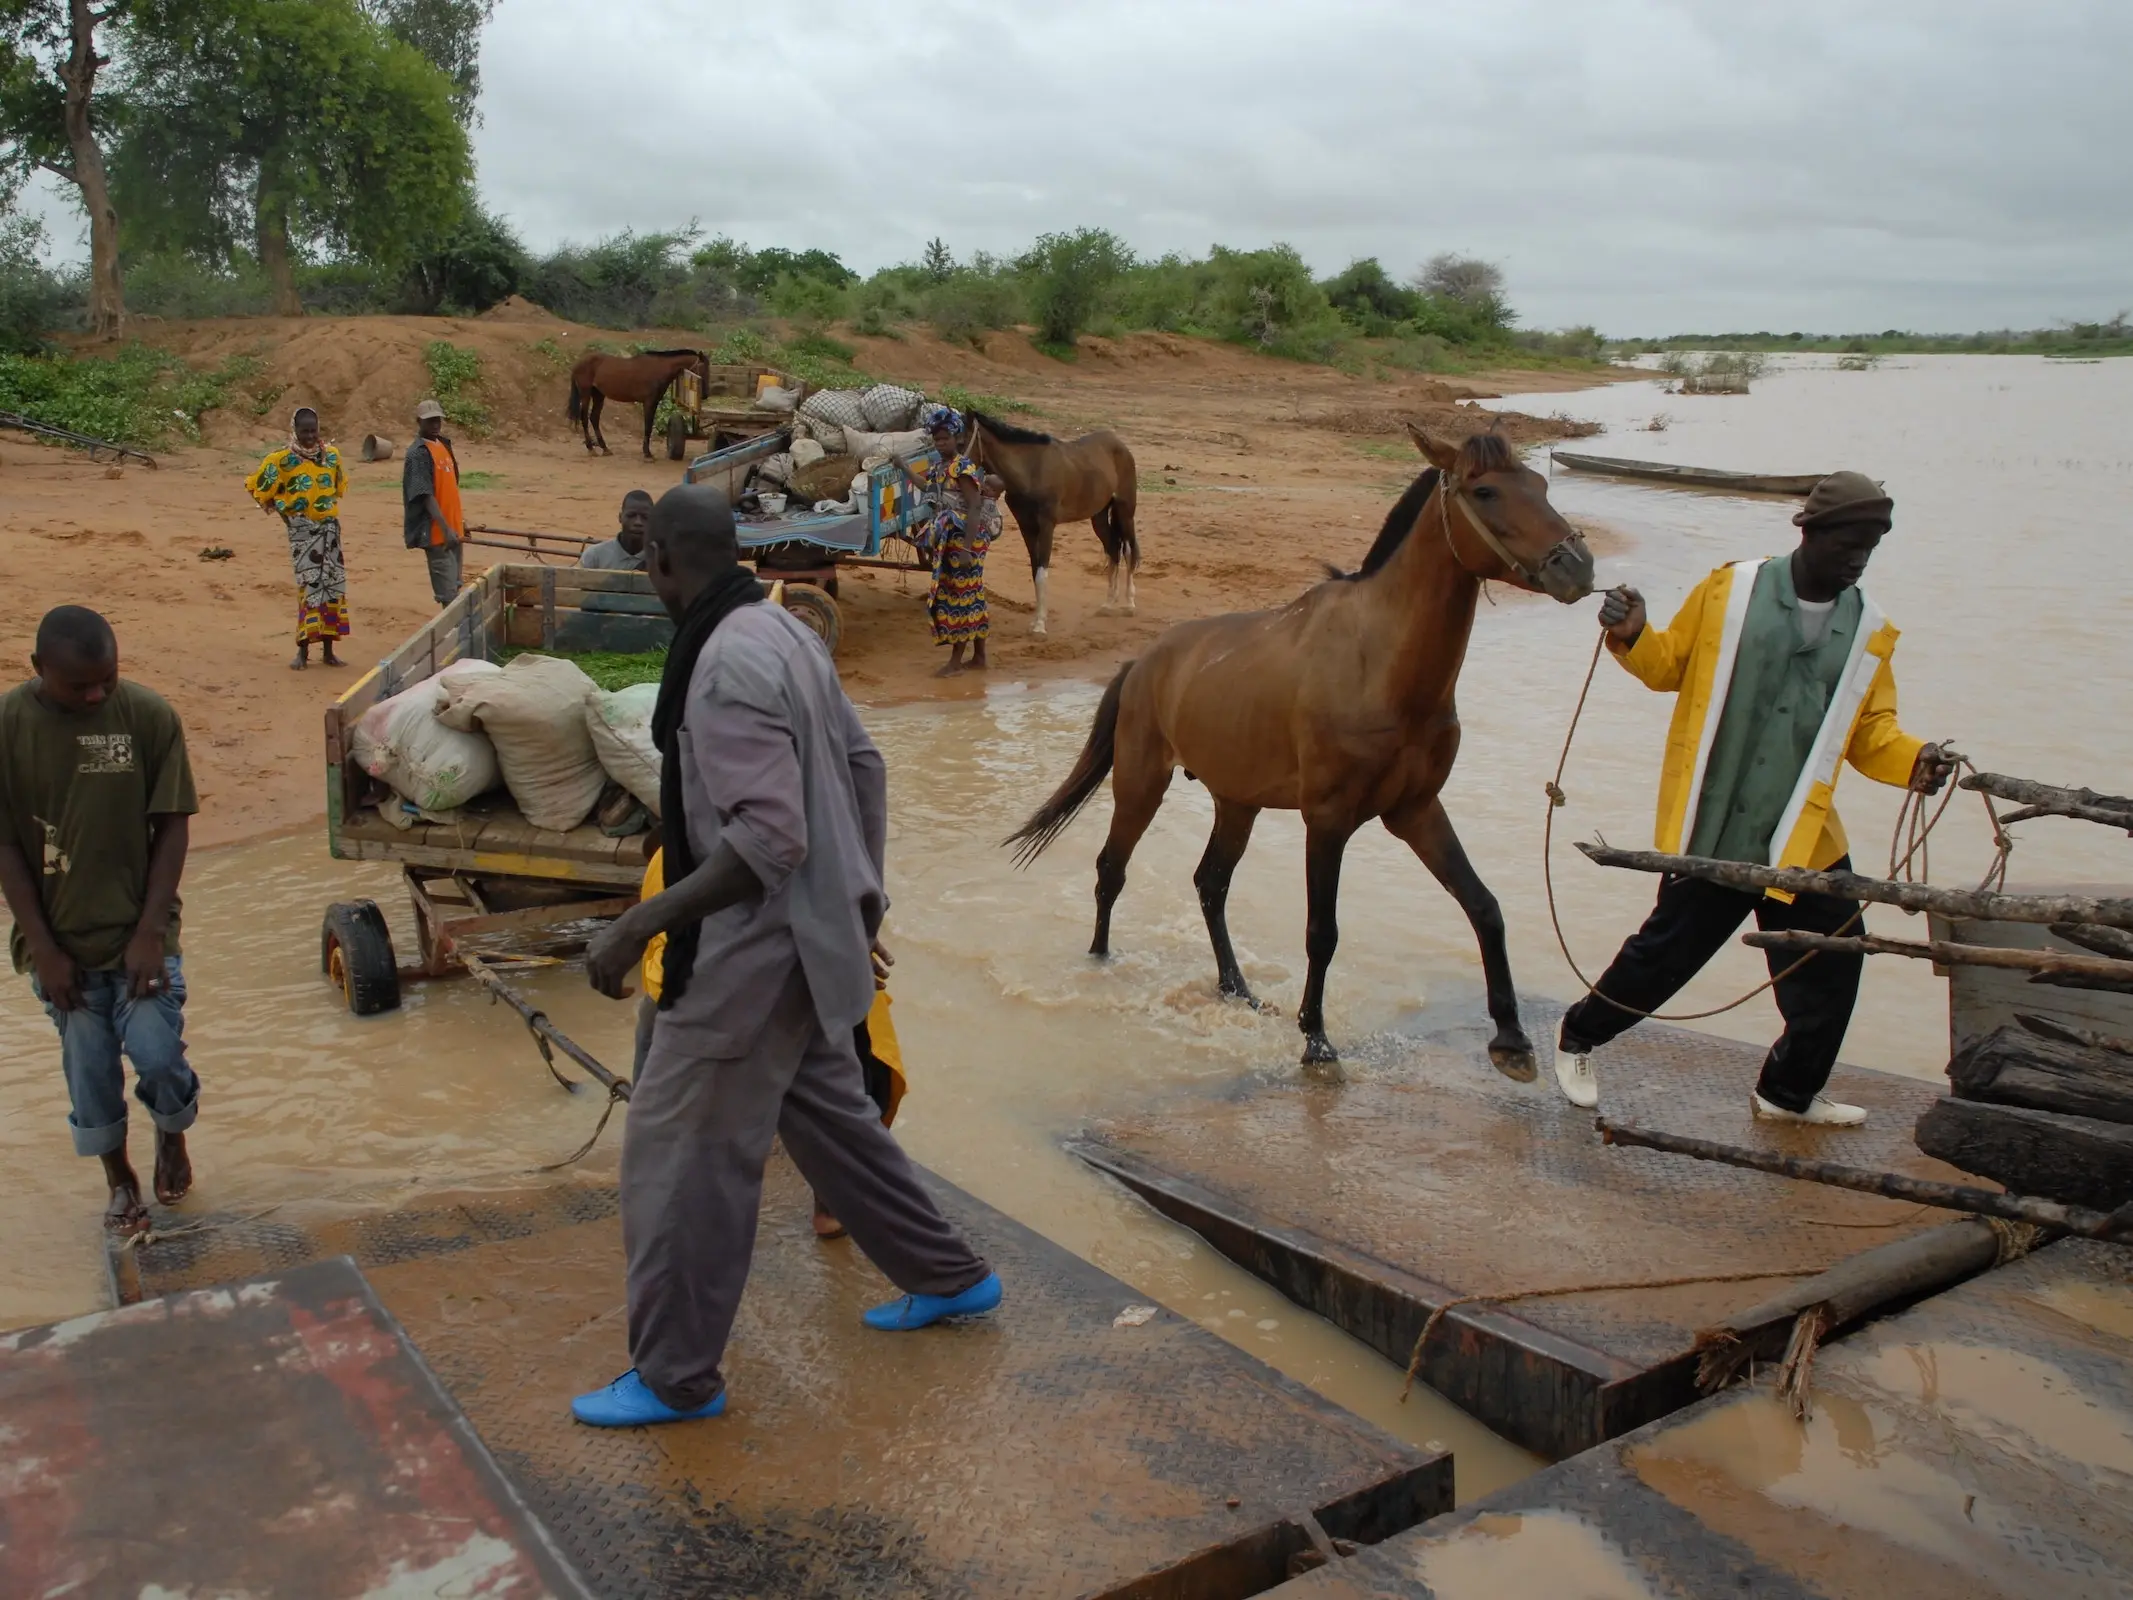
x=1573, y=1075
x=1822, y=1112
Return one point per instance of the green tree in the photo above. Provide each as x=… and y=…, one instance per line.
x=470, y=268
x=1365, y=295
x=50, y=117
x=302, y=123
x=448, y=34
x=939, y=262
x=1467, y=281
x=1069, y=273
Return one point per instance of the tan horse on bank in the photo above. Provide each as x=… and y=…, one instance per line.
x=1050, y=481
x=1340, y=706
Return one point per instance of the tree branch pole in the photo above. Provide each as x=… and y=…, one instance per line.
x=2117, y=1225
x=2104, y=941
x=1970, y=955
x=544, y=1032
x=2048, y=800
x=1748, y=877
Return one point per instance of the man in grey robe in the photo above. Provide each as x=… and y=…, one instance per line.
x=782, y=822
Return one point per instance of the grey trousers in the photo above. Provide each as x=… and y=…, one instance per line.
x=444, y=560
x=699, y=1133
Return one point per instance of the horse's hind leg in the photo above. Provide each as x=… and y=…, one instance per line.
x=1323, y=849
x=1129, y=547
x=1138, y=783
x=1428, y=832
x=1039, y=539
x=1107, y=536
x=599, y=404
x=1225, y=848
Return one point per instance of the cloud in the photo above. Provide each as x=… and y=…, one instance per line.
x=1647, y=165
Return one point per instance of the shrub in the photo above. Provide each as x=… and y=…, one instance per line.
x=1268, y=298
x=1068, y=275
x=1367, y=298
x=135, y=396
x=971, y=302
x=34, y=300
x=454, y=376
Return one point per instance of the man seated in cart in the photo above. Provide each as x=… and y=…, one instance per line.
x=625, y=551
x=1782, y=671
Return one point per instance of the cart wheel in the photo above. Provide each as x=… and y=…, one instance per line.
x=677, y=437
x=818, y=611
x=355, y=951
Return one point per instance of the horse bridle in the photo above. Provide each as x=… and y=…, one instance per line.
x=1450, y=490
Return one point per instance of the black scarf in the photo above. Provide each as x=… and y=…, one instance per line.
x=721, y=597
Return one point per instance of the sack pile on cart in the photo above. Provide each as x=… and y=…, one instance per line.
x=539, y=728
x=838, y=435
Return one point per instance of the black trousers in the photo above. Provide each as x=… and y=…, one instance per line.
x=1689, y=925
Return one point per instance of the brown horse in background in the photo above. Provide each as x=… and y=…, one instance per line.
x=1050, y=482
x=598, y=379
x=1340, y=706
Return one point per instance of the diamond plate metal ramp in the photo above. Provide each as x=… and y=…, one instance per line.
x=271, y=1438
x=1376, y=1201
x=1039, y=1452
x=1978, y=1445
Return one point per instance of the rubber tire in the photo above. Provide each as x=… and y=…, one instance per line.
x=677, y=437
x=818, y=611
x=369, y=976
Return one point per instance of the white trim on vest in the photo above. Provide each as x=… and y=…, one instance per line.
x=1738, y=594
x=1835, y=735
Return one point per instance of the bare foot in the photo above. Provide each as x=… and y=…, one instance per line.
x=332, y=660
x=298, y=662
x=174, y=1168
x=954, y=669
x=826, y=1226
x=125, y=1215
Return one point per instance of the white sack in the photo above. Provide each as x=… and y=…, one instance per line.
x=435, y=767
x=621, y=728
x=911, y=442
x=534, y=713
x=806, y=452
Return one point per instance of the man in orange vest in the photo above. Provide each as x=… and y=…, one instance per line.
x=429, y=486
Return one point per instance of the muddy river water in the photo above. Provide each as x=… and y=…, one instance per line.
x=2012, y=479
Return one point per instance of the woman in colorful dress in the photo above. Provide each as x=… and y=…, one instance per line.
x=957, y=539
x=302, y=483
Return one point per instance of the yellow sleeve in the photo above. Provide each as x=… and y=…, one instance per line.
x=1660, y=657
x=1879, y=747
x=261, y=484
x=655, y=953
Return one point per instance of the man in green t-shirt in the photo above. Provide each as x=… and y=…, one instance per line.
x=95, y=793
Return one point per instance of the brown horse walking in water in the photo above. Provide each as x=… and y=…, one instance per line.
x=598, y=379
x=1050, y=482
x=1340, y=706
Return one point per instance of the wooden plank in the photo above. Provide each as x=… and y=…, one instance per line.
x=1981, y=999
x=501, y=864
x=2078, y=1161
x=1748, y=877
x=548, y=607
x=2042, y=962
x=2013, y=1067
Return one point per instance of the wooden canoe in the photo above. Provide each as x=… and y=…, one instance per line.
x=1693, y=477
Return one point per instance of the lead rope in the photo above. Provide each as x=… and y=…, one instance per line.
x=1913, y=827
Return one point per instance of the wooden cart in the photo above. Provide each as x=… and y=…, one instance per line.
x=722, y=409
x=489, y=888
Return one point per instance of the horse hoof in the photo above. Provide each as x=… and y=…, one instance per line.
x=1319, y=1051
x=1515, y=1061
x=1037, y=632
x=1238, y=991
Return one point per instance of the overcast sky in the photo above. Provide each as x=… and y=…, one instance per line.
x=1645, y=165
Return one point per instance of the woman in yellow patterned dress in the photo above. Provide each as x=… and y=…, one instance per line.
x=302, y=483
x=957, y=539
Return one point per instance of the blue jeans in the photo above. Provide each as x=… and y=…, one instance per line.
x=150, y=1033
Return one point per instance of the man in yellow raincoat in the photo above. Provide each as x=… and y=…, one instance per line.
x=1782, y=672
x=881, y=1059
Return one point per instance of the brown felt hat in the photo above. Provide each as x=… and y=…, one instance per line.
x=1845, y=497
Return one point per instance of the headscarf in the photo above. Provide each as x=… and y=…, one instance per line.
x=936, y=417
x=317, y=454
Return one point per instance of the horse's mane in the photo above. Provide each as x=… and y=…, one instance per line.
x=696, y=353
x=1483, y=452
x=1008, y=432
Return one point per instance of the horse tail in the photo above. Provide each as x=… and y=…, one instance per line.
x=576, y=408
x=1093, y=765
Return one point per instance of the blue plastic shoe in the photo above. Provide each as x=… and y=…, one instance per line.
x=924, y=1310
x=627, y=1403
